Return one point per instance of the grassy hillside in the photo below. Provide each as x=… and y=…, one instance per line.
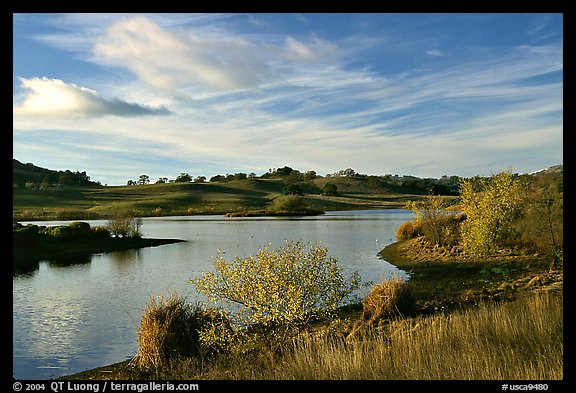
x=71, y=202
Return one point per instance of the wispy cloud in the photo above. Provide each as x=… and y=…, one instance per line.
x=54, y=97
x=247, y=100
x=203, y=60
x=434, y=52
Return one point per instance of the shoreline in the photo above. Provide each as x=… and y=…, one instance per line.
x=262, y=213
x=441, y=283
x=25, y=259
x=446, y=279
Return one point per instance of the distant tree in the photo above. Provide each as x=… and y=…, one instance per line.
x=83, y=178
x=329, y=189
x=130, y=183
x=293, y=177
x=144, y=179
x=240, y=176
x=46, y=183
x=310, y=175
x=67, y=178
x=183, y=178
x=217, y=178
x=348, y=172
x=124, y=224
x=200, y=179
x=292, y=189
x=439, y=189
x=162, y=180
x=284, y=171
x=251, y=175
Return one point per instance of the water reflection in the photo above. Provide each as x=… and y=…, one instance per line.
x=124, y=260
x=70, y=317
x=67, y=261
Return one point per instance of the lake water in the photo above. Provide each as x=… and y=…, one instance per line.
x=70, y=318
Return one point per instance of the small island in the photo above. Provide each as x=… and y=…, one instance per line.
x=33, y=243
x=267, y=213
x=281, y=206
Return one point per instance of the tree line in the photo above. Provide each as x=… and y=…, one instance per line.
x=296, y=180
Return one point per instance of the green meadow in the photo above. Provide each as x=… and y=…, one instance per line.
x=92, y=202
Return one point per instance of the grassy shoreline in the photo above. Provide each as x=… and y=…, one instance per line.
x=26, y=258
x=450, y=290
x=156, y=200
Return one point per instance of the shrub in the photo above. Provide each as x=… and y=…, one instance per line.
x=80, y=229
x=124, y=224
x=435, y=220
x=292, y=189
x=100, y=231
x=389, y=298
x=24, y=236
x=287, y=204
x=60, y=232
x=329, y=189
x=409, y=230
x=279, y=291
x=170, y=328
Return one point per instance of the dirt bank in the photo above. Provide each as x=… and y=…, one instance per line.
x=444, y=278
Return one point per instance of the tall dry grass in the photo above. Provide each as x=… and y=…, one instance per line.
x=522, y=340
x=170, y=331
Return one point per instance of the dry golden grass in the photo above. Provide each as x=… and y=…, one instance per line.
x=522, y=340
x=158, y=335
x=390, y=298
x=518, y=341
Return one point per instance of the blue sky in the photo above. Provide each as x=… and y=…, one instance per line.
x=120, y=95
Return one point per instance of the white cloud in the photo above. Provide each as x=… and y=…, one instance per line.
x=204, y=59
x=54, y=97
x=317, y=50
x=434, y=52
x=172, y=61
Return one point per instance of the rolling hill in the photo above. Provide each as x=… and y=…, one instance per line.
x=35, y=197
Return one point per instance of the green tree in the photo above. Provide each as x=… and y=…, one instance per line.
x=490, y=205
x=292, y=189
x=144, y=179
x=310, y=175
x=183, y=178
x=279, y=290
x=329, y=189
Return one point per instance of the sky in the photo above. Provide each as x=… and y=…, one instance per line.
x=428, y=95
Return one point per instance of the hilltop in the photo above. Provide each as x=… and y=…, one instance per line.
x=35, y=176
x=35, y=196
x=40, y=193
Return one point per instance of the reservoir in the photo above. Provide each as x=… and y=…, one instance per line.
x=70, y=317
